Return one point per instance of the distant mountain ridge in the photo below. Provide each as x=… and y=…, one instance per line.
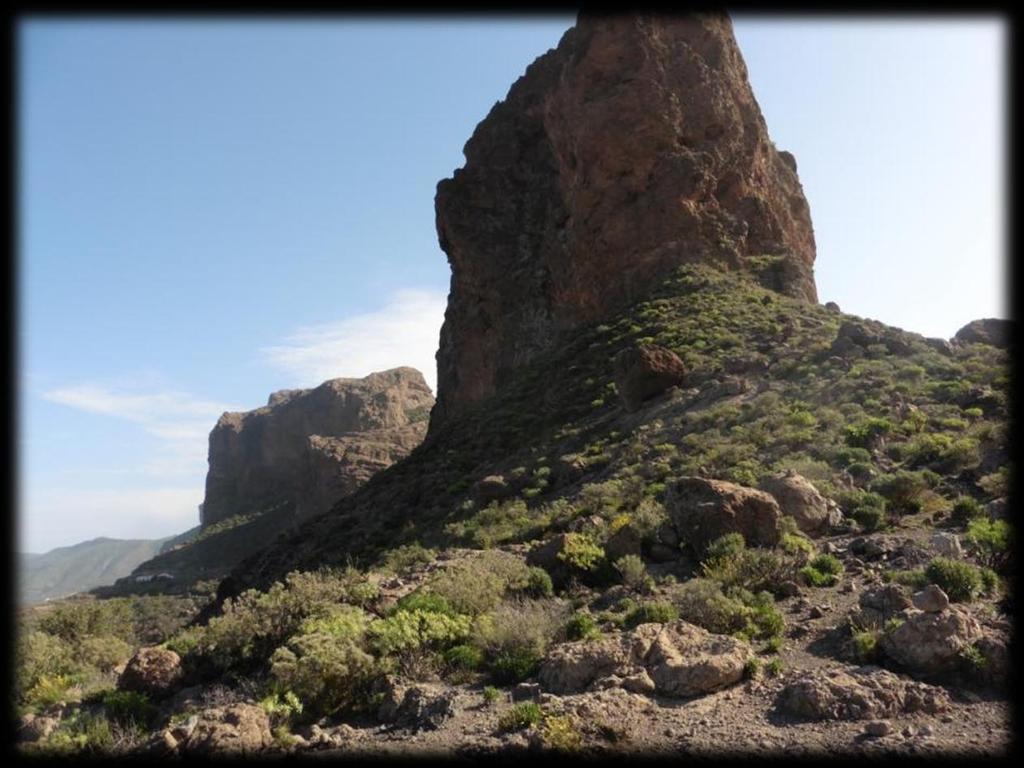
x=80, y=567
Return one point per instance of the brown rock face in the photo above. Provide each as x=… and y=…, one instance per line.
x=310, y=447
x=634, y=146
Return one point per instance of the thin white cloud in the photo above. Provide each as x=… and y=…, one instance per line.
x=180, y=422
x=403, y=332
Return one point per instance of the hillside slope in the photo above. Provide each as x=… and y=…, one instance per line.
x=772, y=383
x=80, y=567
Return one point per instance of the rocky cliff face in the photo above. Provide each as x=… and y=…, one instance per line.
x=634, y=146
x=308, y=448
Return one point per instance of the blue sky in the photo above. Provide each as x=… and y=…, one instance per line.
x=213, y=210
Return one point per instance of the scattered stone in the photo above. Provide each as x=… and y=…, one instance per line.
x=153, y=671
x=789, y=589
x=831, y=306
x=816, y=612
x=996, y=509
x=877, y=728
x=703, y=509
x=526, y=692
x=931, y=599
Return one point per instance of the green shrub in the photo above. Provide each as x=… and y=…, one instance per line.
x=560, y=733
x=964, y=510
x=822, y=571
x=990, y=540
x=868, y=509
x=704, y=603
x=76, y=619
x=989, y=581
x=774, y=668
x=581, y=626
x=282, y=707
x=129, y=707
x=914, y=578
x=50, y=689
x=427, y=602
x=517, y=634
x=513, y=665
x=538, y=583
x=41, y=655
x=328, y=674
x=865, y=645
x=632, y=570
x=478, y=585
x=866, y=433
x=752, y=668
x=407, y=556
x=902, y=490
x=491, y=695
x=104, y=653
x=729, y=545
x=581, y=552
x=651, y=613
x=520, y=716
x=464, y=657
x=959, y=580
x=411, y=637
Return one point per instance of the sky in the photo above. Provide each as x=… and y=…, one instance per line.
x=212, y=210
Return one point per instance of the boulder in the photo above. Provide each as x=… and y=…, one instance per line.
x=882, y=603
x=625, y=541
x=676, y=659
x=930, y=643
x=866, y=693
x=703, y=509
x=490, y=488
x=990, y=330
x=799, y=499
x=33, y=728
x=931, y=599
x=947, y=544
x=643, y=372
x=685, y=660
x=236, y=729
x=154, y=671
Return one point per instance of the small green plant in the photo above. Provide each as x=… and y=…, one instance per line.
x=973, y=659
x=774, y=668
x=559, y=732
x=752, y=668
x=464, y=657
x=990, y=540
x=491, y=695
x=282, y=707
x=822, y=571
x=581, y=552
x=514, y=665
x=651, y=613
x=865, y=645
x=581, y=626
x=965, y=509
x=129, y=708
x=538, y=583
x=959, y=580
x=632, y=570
x=520, y=716
x=914, y=578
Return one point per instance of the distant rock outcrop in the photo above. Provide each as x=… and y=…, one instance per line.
x=634, y=146
x=309, y=447
x=989, y=330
